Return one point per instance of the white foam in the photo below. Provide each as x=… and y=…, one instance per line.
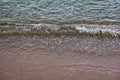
x=113, y=29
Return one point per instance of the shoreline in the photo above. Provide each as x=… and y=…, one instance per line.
x=43, y=29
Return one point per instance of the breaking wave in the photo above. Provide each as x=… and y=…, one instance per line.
x=43, y=27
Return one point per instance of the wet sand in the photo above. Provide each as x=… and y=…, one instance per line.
x=62, y=58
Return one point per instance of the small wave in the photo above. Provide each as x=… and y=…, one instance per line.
x=76, y=28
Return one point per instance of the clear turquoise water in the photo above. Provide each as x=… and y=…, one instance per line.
x=61, y=9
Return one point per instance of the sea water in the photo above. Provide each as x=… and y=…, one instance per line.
x=61, y=9
x=64, y=10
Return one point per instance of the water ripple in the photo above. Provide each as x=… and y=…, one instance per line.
x=61, y=9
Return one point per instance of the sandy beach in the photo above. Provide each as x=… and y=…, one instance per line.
x=61, y=58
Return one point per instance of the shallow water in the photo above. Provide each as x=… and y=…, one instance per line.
x=66, y=58
x=86, y=45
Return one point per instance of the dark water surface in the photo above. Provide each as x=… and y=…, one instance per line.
x=61, y=9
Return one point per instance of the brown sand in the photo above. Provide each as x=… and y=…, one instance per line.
x=36, y=63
